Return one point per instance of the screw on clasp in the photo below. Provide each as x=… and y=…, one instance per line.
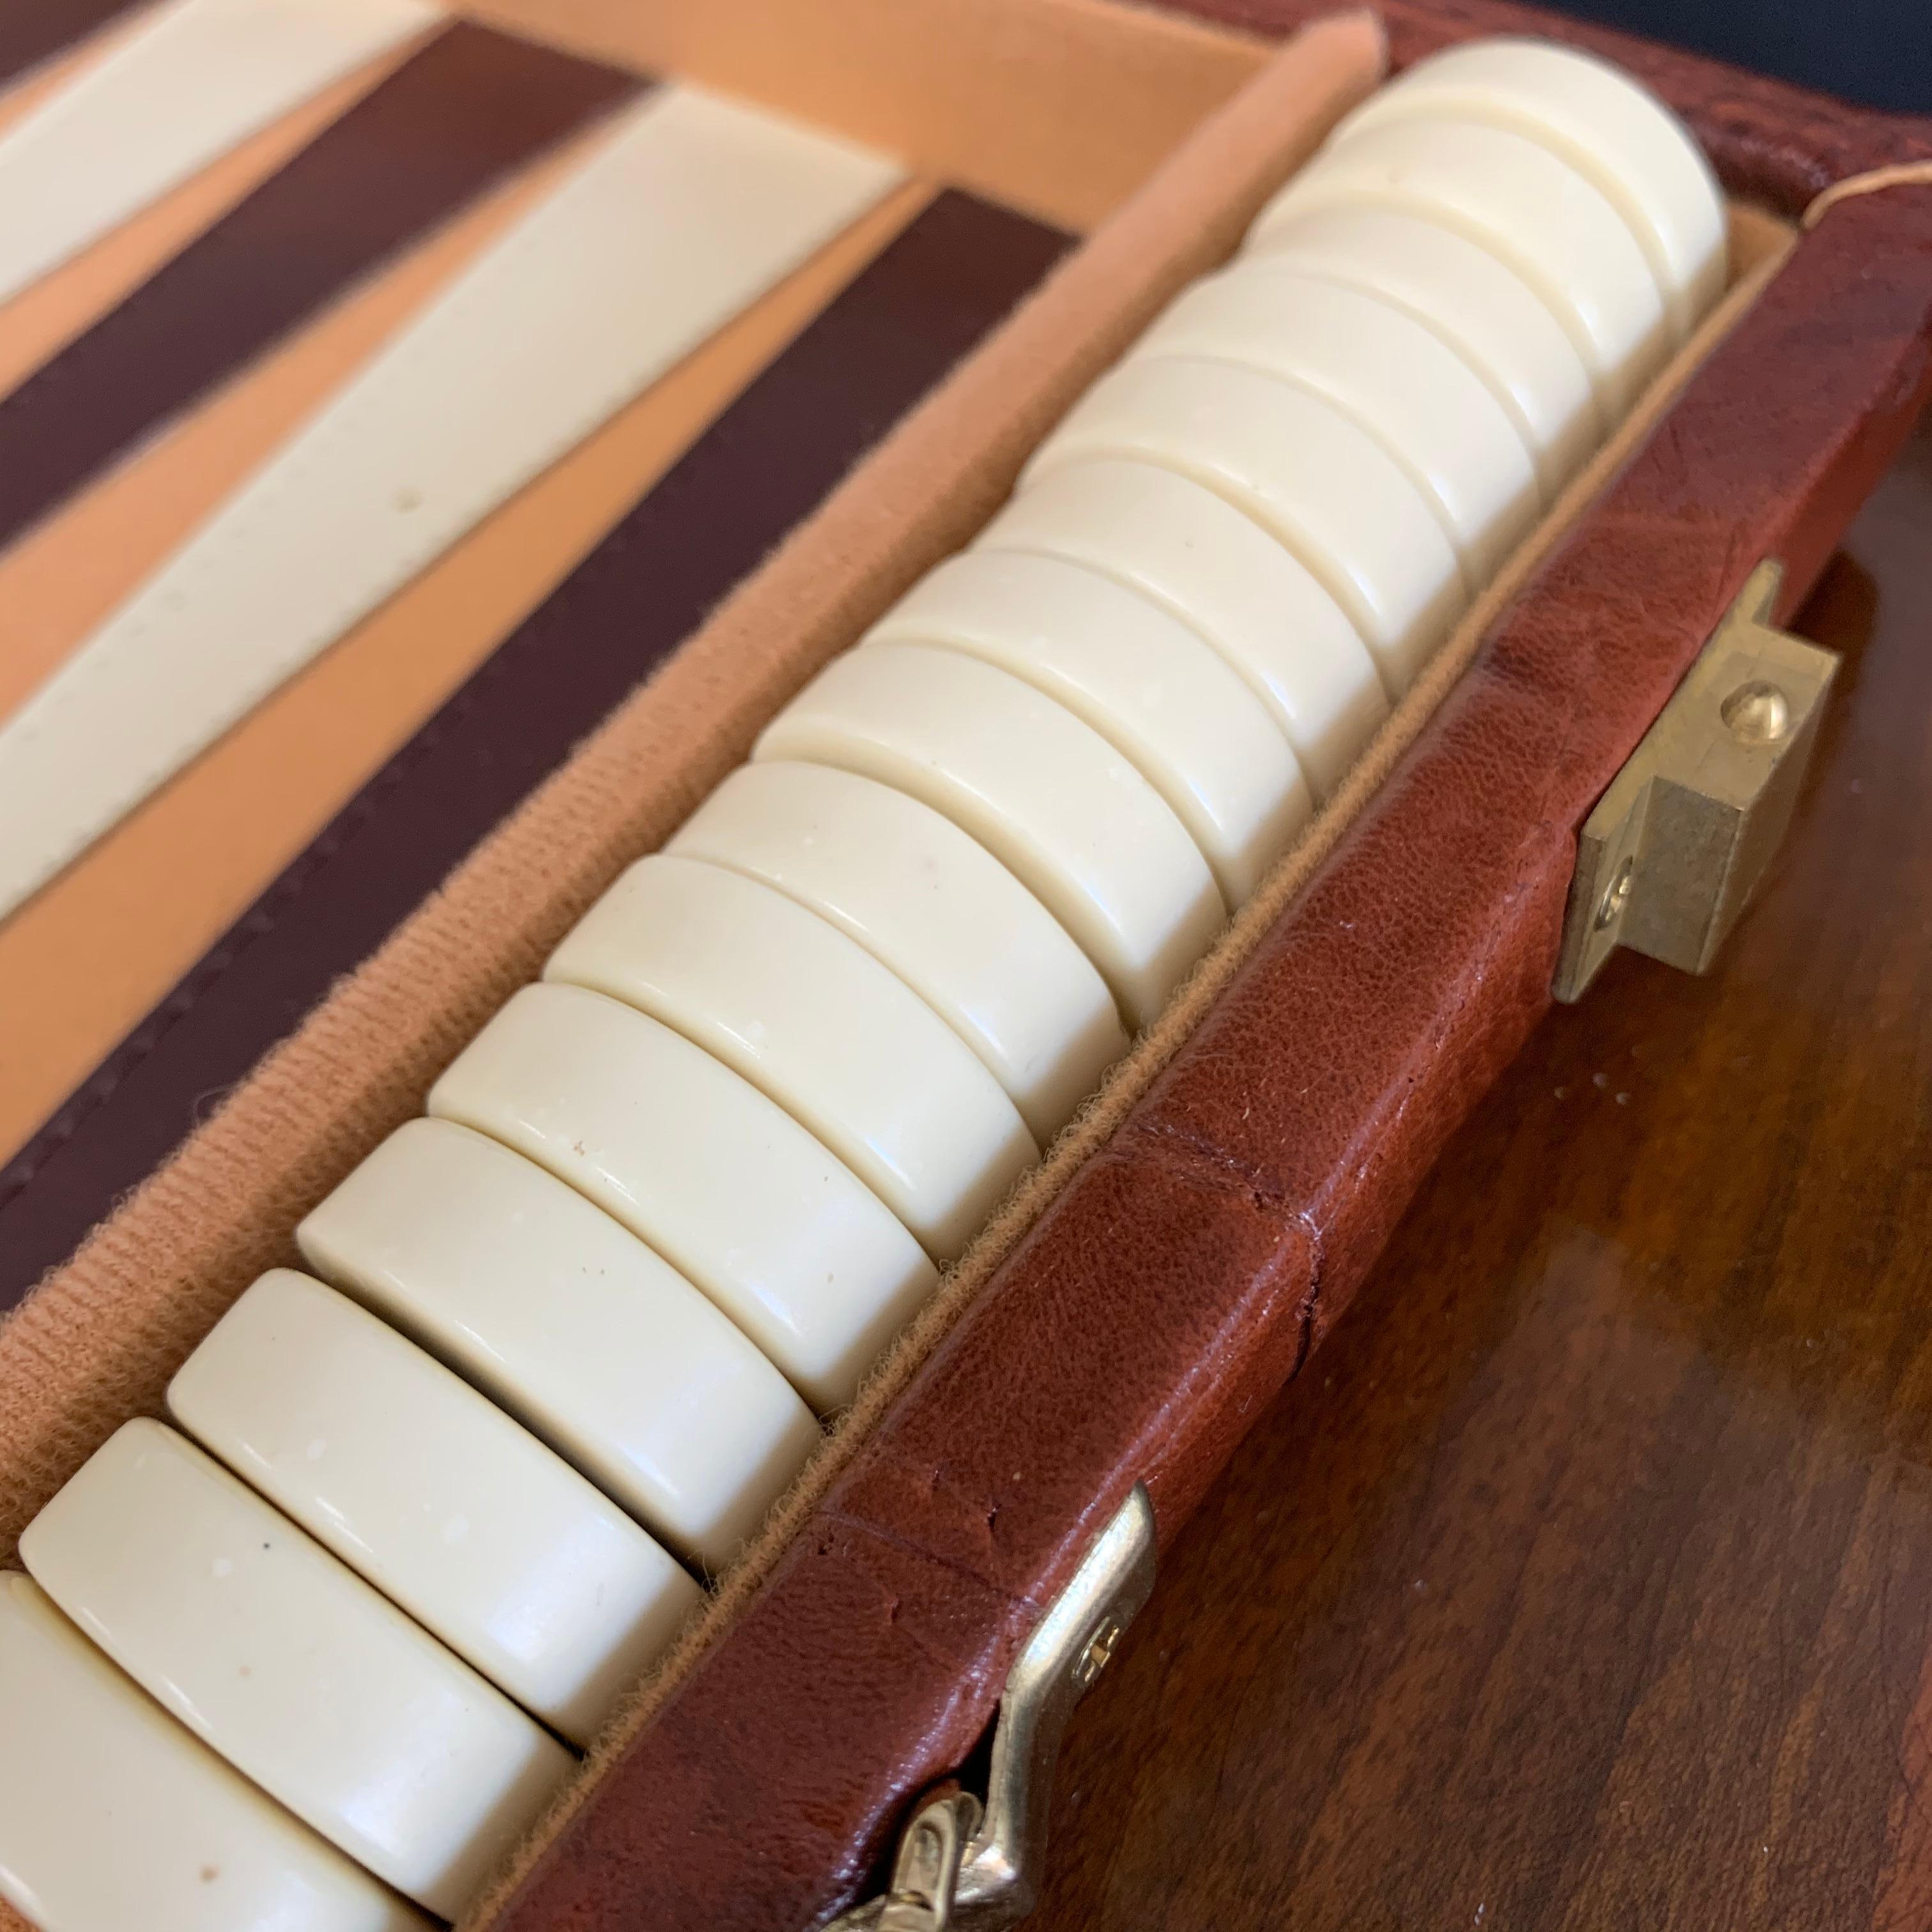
x=1669, y=858
x=974, y=1867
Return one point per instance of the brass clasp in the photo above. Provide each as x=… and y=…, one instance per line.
x=1668, y=859
x=961, y=1864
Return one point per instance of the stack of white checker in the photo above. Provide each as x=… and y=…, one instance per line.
x=676, y=1196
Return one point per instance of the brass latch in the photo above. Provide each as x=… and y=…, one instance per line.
x=1668, y=859
x=963, y=1866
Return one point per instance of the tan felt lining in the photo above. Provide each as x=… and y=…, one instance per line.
x=145, y=902
x=1058, y=108
x=41, y=318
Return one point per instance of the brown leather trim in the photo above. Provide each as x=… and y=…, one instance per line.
x=34, y=31
x=1770, y=141
x=1186, y=1272
x=461, y=113
x=878, y=347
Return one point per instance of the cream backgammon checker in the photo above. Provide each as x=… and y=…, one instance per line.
x=1193, y=553
x=522, y=1568
x=810, y=1018
x=1466, y=296
x=289, y=1665
x=1063, y=809
x=1389, y=371
x=676, y=1197
x=1315, y=477
x=1622, y=140
x=934, y=906
x=815, y=1270
x=197, y=1847
x=1150, y=685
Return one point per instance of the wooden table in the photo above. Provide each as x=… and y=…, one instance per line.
x=1584, y=1579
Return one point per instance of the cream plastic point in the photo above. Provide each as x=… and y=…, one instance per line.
x=1484, y=311
x=573, y=1324
x=781, y=1235
x=813, y=1021
x=1046, y=794
x=1532, y=210
x=682, y=209
x=190, y=82
x=1148, y=683
x=1606, y=126
x=936, y=907
x=115, y=1818
x=1198, y=557
x=1315, y=480
x=1420, y=401
x=291, y=1666
x=492, y=1542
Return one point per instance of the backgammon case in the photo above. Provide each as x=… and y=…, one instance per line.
x=1190, y=1240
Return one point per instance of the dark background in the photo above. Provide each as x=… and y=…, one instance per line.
x=1879, y=51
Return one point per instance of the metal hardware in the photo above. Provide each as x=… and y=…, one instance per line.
x=1668, y=860
x=938, y=1886
x=926, y=1871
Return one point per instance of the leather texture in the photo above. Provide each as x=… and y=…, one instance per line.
x=1185, y=1274
x=460, y=114
x=768, y=458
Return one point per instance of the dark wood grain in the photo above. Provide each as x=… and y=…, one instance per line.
x=1585, y=1580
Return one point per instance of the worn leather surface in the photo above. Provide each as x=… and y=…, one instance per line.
x=460, y=114
x=879, y=347
x=1184, y=1275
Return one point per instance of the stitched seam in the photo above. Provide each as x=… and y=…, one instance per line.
x=1206, y=1370
x=1317, y=1238
x=1900, y=174
x=865, y=1526
x=1192, y=1156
